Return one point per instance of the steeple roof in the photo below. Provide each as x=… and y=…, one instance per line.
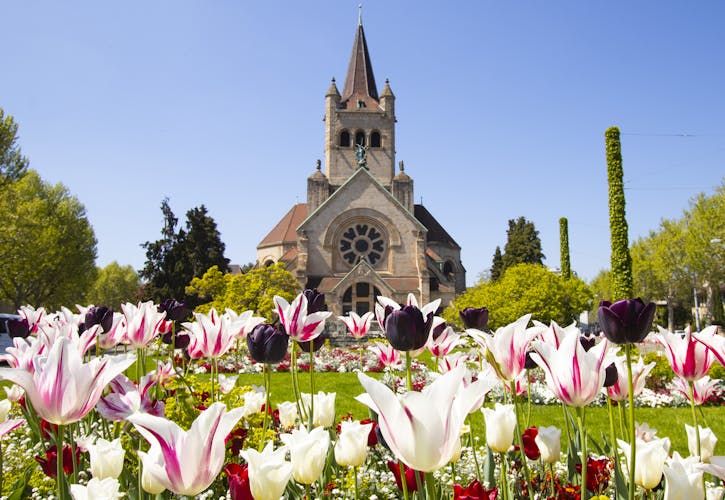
x=360, y=81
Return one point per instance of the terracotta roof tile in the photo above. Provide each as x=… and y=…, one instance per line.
x=286, y=229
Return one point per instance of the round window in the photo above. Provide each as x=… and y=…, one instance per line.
x=362, y=240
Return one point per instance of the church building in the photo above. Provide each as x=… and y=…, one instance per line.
x=360, y=234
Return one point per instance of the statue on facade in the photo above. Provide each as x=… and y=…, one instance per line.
x=361, y=154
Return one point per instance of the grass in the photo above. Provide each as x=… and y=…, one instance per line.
x=670, y=422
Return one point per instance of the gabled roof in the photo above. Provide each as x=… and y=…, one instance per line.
x=286, y=229
x=344, y=186
x=436, y=233
x=360, y=81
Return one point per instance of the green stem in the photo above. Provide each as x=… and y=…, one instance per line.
x=1, y=468
x=520, y=441
x=403, y=481
x=694, y=417
x=430, y=486
x=357, y=493
x=301, y=410
x=173, y=345
x=312, y=386
x=612, y=435
x=553, y=480
x=528, y=399
x=584, y=453
x=408, y=378
x=503, y=482
x=473, y=448
x=632, y=438
x=265, y=422
x=214, y=375
x=59, y=473
x=308, y=495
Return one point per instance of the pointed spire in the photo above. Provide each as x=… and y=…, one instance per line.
x=360, y=79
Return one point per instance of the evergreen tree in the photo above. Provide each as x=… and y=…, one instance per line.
x=13, y=164
x=523, y=245
x=564, y=261
x=497, y=266
x=203, y=242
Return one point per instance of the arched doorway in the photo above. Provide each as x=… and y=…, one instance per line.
x=360, y=298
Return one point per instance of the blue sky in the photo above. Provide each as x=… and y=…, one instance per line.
x=501, y=110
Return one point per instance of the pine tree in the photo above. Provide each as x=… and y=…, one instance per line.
x=523, y=245
x=497, y=266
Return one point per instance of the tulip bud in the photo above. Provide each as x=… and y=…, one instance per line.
x=324, y=415
x=406, y=329
x=18, y=327
x=267, y=344
x=308, y=453
x=649, y=461
x=287, y=414
x=683, y=478
x=473, y=317
x=106, y=458
x=351, y=448
x=708, y=440
x=626, y=321
x=610, y=375
x=269, y=472
x=238, y=476
x=548, y=439
x=99, y=315
x=315, y=301
x=500, y=425
x=175, y=311
x=97, y=489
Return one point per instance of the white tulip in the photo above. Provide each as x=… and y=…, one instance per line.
x=708, y=439
x=548, y=440
x=106, y=458
x=351, y=448
x=287, y=414
x=97, y=489
x=4, y=409
x=683, y=479
x=269, y=472
x=324, y=410
x=649, y=461
x=227, y=383
x=500, y=425
x=308, y=452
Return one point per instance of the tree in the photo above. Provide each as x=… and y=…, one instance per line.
x=620, y=259
x=48, y=246
x=523, y=245
x=115, y=285
x=13, y=164
x=253, y=290
x=180, y=256
x=564, y=261
x=525, y=288
x=497, y=265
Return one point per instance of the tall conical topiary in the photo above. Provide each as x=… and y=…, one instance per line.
x=621, y=260
x=564, y=261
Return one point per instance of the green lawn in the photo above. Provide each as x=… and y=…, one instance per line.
x=670, y=422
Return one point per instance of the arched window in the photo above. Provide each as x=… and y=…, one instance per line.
x=344, y=139
x=448, y=268
x=268, y=262
x=360, y=138
x=375, y=140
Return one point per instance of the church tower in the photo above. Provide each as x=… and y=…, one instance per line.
x=359, y=116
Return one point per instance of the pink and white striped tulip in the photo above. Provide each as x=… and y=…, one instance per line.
x=62, y=388
x=448, y=363
x=7, y=425
x=126, y=399
x=211, y=335
x=704, y=388
x=387, y=354
x=34, y=317
x=422, y=429
x=143, y=323
x=554, y=334
x=506, y=349
x=299, y=325
x=574, y=375
x=619, y=391
x=715, y=342
x=358, y=326
x=186, y=462
x=689, y=359
x=244, y=322
x=445, y=342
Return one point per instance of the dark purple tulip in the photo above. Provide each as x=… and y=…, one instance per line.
x=175, y=311
x=530, y=364
x=18, y=327
x=317, y=343
x=588, y=341
x=180, y=342
x=406, y=329
x=99, y=315
x=474, y=317
x=626, y=321
x=315, y=300
x=380, y=437
x=610, y=375
x=438, y=330
x=267, y=344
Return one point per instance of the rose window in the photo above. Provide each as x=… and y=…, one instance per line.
x=362, y=240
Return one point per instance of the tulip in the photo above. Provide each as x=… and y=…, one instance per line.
x=175, y=311
x=406, y=328
x=626, y=321
x=708, y=440
x=314, y=344
x=238, y=478
x=644, y=432
x=226, y=384
x=114, y=335
x=421, y=428
x=716, y=467
x=618, y=390
x=649, y=461
x=33, y=317
x=576, y=376
x=683, y=480
x=106, y=458
x=688, y=358
x=267, y=344
x=97, y=489
x=358, y=326
x=99, y=315
x=387, y=354
x=211, y=336
x=506, y=349
x=351, y=447
x=287, y=414
x=50, y=461
x=704, y=388
x=324, y=405
x=474, y=491
x=548, y=439
x=443, y=344
x=253, y=402
x=127, y=398
x=452, y=361
x=7, y=426
x=315, y=300
x=308, y=452
x=474, y=317
x=63, y=389
x=142, y=323
x=244, y=322
x=18, y=328
x=298, y=324
x=531, y=449
x=411, y=481
x=500, y=425
x=715, y=342
x=186, y=462
x=269, y=472
x=553, y=334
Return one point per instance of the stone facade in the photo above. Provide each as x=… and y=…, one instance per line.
x=360, y=233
